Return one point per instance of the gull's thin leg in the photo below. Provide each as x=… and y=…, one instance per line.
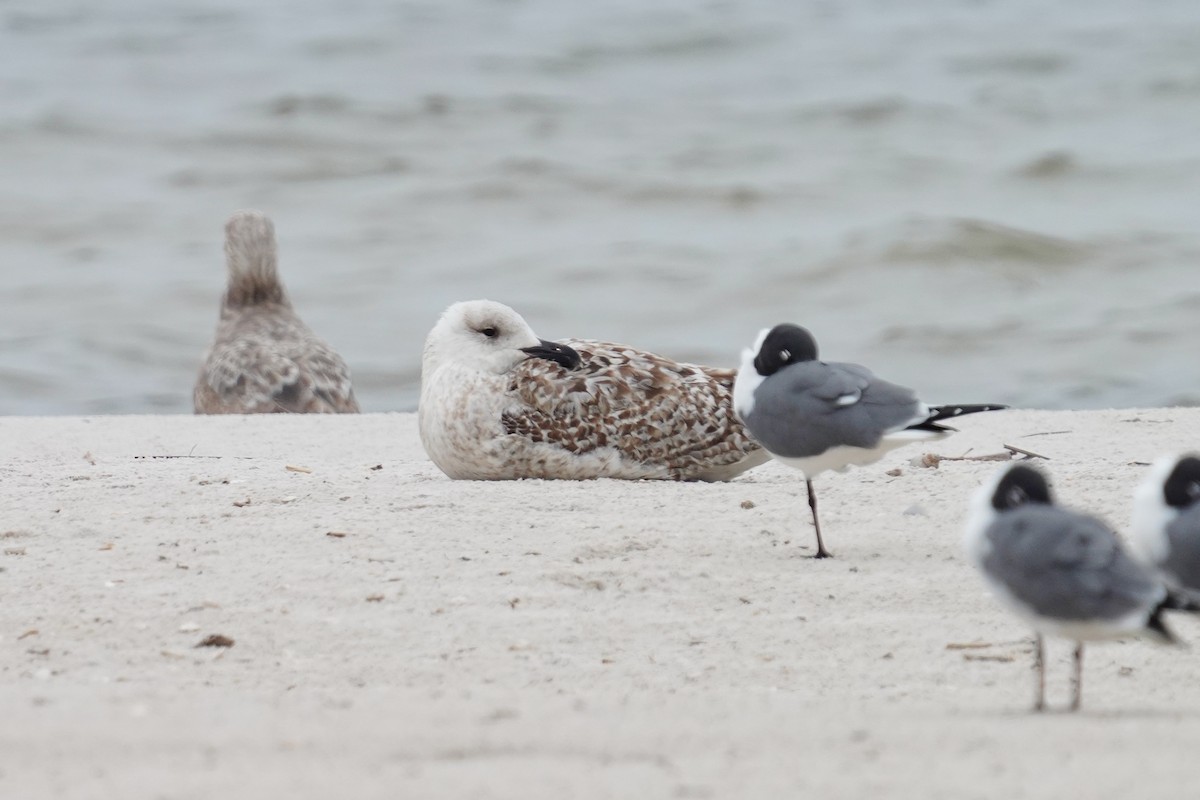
x=812, y=504
x=1077, y=678
x=1039, y=666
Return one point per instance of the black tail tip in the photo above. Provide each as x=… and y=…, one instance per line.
x=938, y=413
x=1180, y=600
x=1174, y=601
x=1159, y=628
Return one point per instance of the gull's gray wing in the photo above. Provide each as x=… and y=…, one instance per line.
x=1182, y=564
x=809, y=407
x=1066, y=566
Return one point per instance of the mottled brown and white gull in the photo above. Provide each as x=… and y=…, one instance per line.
x=264, y=358
x=498, y=403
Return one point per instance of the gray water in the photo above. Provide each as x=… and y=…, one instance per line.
x=985, y=200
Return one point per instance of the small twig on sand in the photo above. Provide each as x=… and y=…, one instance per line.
x=1043, y=433
x=146, y=458
x=216, y=640
x=1027, y=453
x=988, y=457
x=932, y=460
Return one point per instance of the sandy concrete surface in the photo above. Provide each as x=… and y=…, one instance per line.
x=544, y=639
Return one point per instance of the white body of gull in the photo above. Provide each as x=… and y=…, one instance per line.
x=264, y=358
x=498, y=403
x=816, y=416
x=1166, y=521
x=1062, y=572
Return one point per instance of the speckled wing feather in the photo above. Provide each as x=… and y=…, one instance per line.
x=676, y=419
x=270, y=362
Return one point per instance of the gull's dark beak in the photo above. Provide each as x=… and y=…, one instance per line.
x=553, y=351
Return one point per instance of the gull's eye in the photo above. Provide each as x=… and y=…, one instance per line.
x=1016, y=496
x=489, y=332
x=784, y=355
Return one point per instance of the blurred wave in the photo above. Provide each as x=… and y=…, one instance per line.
x=989, y=201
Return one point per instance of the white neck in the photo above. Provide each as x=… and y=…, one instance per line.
x=1152, y=515
x=748, y=378
x=744, y=384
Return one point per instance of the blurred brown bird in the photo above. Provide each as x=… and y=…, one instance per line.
x=265, y=359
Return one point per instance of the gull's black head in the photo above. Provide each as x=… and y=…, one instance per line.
x=783, y=345
x=561, y=354
x=1021, y=485
x=1182, y=487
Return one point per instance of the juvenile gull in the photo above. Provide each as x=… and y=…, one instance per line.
x=498, y=403
x=264, y=358
x=816, y=416
x=1063, y=572
x=1166, y=521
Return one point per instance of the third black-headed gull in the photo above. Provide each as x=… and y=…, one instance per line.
x=1166, y=521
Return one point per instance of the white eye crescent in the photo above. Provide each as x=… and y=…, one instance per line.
x=849, y=399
